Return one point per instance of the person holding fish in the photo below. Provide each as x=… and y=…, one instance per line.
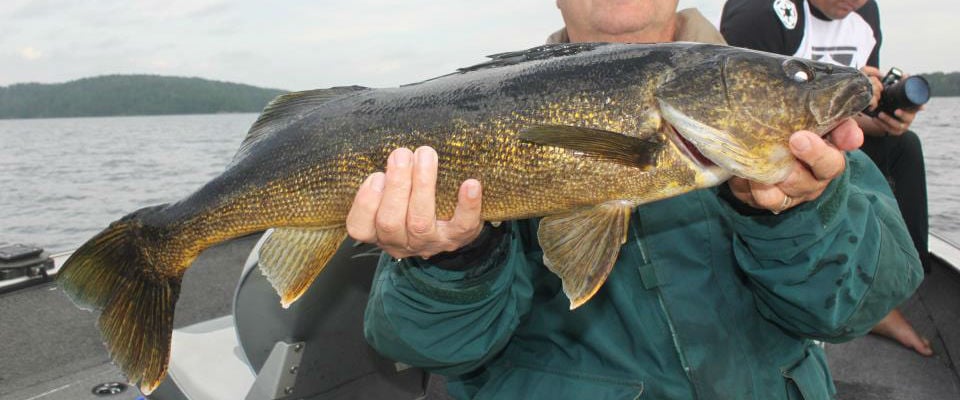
x=847, y=32
x=578, y=220
x=717, y=293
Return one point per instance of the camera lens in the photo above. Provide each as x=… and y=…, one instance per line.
x=917, y=90
x=906, y=94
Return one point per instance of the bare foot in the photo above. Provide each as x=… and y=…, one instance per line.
x=896, y=327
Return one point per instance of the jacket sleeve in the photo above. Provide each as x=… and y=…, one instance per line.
x=450, y=320
x=830, y=269
x=754, y=24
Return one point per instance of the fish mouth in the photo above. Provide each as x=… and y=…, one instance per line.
x=851, y=99
x=709, y=171
x=716, y=153
x=689, y=135
x=687, y=148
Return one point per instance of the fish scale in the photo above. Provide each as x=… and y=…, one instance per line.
x=575, y=134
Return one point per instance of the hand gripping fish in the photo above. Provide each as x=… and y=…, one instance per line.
x=578, y=134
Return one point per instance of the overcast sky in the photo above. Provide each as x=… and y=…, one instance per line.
x=303, y=44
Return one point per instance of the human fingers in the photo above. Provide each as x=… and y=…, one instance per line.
x=740, y=188
x=890, y=124
x=874, y=76
x=906, y=117
x=871, y=71
x=466, y=223
x=421, y=224
x=360, y=219
x=762, y=196
x=847, y=136
x=801, y=185
x=825, y=161
x=876, y=88
x=392, y=213
x=769, y=197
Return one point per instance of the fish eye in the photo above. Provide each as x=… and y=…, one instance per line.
x=798, y=71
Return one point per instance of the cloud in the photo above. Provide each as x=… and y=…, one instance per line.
x=30, y=53
x=302, y=44
x=29, y=9
x=161, y=63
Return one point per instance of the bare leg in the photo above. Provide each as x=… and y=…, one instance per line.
x=896, y=327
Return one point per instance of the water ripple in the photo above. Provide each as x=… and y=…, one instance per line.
x=65, y=179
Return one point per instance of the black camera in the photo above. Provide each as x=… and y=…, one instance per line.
x=904, y=93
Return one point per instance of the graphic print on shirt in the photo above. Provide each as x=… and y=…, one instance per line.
x=842, y=55
x=847, y=42
x=787, y=12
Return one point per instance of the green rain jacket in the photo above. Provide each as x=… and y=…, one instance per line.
x=703, y=303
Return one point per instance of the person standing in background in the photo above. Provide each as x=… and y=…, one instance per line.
x=847, y=32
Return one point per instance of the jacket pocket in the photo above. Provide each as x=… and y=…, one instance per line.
x=809, y=379
x=531, y=383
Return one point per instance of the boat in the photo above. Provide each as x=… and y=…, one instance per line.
x=232, y=340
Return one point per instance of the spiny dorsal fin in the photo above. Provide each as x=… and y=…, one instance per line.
x=639, y=152
x=582, y=246
x=287, y=109
x=536, y=53
x=521, y=56
x=291, y=258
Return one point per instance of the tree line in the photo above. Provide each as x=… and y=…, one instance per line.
x=131, y=95
x=943, y=84
x=113, y=95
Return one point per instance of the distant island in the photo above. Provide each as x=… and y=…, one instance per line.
x=943, y=84
x=118, y=95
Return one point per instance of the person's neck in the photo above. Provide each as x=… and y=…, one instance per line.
x=652, y=34
x=819, y=14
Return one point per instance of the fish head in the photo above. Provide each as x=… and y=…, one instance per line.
x=738, y=108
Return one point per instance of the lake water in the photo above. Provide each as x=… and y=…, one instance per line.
x=63, y=180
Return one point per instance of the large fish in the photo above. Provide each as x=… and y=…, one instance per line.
x=577, y=133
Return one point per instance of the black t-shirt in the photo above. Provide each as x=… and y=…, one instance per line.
x=796, y=28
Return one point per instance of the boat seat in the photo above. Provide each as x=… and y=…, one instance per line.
x=313, y=350
x=206, y=363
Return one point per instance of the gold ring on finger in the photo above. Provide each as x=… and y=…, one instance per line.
x=787, y=202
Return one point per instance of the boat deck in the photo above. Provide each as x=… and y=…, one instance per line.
x=50, y=351
x=875, y=368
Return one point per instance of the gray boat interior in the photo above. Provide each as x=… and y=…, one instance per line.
x=233, y=339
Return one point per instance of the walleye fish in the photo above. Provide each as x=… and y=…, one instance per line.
x=576, y=133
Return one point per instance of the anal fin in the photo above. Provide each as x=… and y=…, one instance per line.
x=291, y=258
x=581, y=247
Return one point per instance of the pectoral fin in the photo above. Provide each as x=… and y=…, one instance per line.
x=291, y=258
x=639, y=152
x=581, y=247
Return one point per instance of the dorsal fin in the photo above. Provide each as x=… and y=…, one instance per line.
x=516, y=57
x=537, y=53
x=287, y=109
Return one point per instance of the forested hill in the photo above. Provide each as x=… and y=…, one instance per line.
x=944, y=84
x=156, y=95
x=130, y=95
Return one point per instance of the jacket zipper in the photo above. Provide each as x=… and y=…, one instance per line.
x=645, y=260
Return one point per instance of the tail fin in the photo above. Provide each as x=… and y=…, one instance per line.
x=119, y=273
